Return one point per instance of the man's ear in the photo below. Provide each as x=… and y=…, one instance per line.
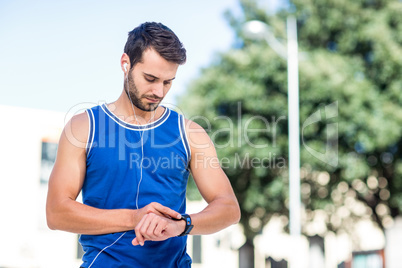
x=125, y=63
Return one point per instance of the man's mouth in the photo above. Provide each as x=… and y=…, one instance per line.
x=153, y=100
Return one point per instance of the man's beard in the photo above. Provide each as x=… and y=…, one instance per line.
x=135, y=98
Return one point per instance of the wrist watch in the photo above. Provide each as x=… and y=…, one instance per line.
x=189, y=226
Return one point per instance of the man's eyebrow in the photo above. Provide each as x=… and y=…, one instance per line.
x=154, y=77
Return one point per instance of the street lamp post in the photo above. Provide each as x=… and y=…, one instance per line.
x=294, y=131
x=260, y=30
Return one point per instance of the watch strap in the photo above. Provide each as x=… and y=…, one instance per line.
x=189, y=225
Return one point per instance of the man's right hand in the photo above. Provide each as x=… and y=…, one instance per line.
x=157, y=209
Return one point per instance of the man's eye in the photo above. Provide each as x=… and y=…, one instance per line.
x=150, y=79
x=167, y=83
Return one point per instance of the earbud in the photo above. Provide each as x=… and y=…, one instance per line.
x=125, y=66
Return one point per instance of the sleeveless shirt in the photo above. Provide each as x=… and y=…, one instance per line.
x=127, y=167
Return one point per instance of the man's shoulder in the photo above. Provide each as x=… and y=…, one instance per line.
x=197, y=136
x=191, y=125
x=76, y=130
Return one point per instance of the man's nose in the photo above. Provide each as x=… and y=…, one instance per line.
x=158, y=90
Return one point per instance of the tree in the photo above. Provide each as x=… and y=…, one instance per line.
x=350, y=114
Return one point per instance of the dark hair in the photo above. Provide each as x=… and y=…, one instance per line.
x=157, y=36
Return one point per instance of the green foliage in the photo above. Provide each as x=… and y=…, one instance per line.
x=350, y=83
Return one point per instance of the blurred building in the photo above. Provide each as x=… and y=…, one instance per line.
x=28, y=143
x=274, y=248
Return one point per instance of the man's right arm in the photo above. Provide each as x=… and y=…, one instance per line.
x=63, y=212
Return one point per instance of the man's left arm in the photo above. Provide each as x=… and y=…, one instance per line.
x=222, y=209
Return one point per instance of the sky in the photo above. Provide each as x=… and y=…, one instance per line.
x=57, y=55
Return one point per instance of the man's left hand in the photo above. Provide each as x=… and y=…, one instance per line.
x=156, y=228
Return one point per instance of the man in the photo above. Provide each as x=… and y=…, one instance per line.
x=132, y=159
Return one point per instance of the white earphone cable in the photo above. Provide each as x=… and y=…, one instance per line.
x=106, y=248
x=141, y=139
x=142, y=160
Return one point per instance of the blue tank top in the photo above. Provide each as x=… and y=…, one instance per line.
x=116, y=157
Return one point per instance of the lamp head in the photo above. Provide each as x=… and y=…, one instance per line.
x=255, y=29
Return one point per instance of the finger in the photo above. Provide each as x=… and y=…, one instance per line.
x=160, y=229
x=135, y=242
x=153, y=221
x=166, y=211
x=147, y=227
x=139, y=236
